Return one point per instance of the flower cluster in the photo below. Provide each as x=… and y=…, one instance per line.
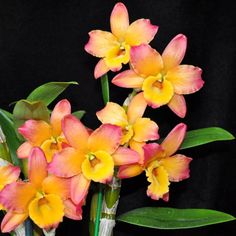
x=64, y=156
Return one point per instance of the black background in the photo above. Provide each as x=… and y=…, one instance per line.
x=42, y=41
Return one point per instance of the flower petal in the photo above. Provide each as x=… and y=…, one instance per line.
x=100, y=43
x=71, y=210
x=185, y=79
x=56, y=185
x=75, y=132
x=8, y=174
x=177, y=167
x=145, y=130
x=145, y=60
x=35, y=131
x=152, y=151
x=136, y=108
x=106, y=138
x=178, y=105
x=174, y=52
x=140, y=31
x=100, y=169
x=129, y=171
x=79, y=188
x=113, y=114
x=66, y=163
x=100, y=69
x=174, y=139
x=24, y=149
x=16, y=196
x=125, y=156
x=61, y=109
x=37, y=167
x=47, y=211
x=119, y=21
x=128, y=79
x=11, y=220
x=155, y=93
x=158, y=177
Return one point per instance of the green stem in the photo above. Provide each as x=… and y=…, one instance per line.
x=105, y=88
x=28, y=228
x=99, y=209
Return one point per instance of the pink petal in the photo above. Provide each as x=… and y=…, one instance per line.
x=174, y=139
x=136, y=108
x=177, y=167
x=75, y=132
x=140, y=31
x=71, y=210
x=174, y=52
x=100, y=43
x=129, y=171
x=100, y=69
x=178, y=105
x=35, y=131
x=125, y=156
x=152, y=151
x=186, y=79
x=128, y=79
x=61, y=109
x=11, y=220
x=24, y=149
x=119, y=20
x=79, y=188
x=66, y=163
x=145, y=60
x=37, y=167
x=106, y=138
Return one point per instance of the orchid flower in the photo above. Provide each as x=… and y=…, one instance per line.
x=90, y=156
x=161, y=78
x=114, y=47
x=160, y=165
x=134, y=127
x=8, y=174
x=44, y=198
x=48, y=137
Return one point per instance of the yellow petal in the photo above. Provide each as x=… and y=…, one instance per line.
x=98, y=167
x=128, y=133
x=113, y=114
x=157, y=93
x=136, y=108
x=46, y=211
x=158, y=177
x=119, y=21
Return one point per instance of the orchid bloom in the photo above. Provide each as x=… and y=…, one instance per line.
x=90, y=156
x=44, y=198
x=48, y=137
x=161, y=78
x=8, y=174
x=114, y=47
x=160, y=165
x=134, y=127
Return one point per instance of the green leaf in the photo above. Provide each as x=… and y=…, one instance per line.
x=25, y=110
x=49, y=91
x=171, y=218
x=11, y=138
x=8, y=114
x=202, y=136
x=105, y=88
x=79, y=114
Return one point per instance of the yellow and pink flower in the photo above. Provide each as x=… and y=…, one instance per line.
x=135, y=128
x=44, y=198
x=91, y=156
x=161, y=165
x=47, y=136
x=161, y=77
x=114, y=47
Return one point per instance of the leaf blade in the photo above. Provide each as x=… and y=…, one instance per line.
x=202, y=136
x=172, y=218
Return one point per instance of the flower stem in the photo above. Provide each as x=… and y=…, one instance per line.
x=105, y=88
x=28, y=228
x=99, y=209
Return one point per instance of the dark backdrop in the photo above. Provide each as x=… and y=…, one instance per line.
x=43, y=41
